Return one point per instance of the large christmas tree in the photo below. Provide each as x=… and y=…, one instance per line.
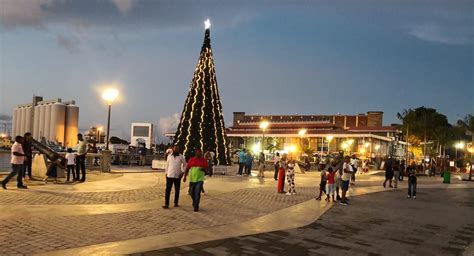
x=202, y=122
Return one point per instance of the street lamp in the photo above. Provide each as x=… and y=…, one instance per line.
x=263, y=125
x=109, y=96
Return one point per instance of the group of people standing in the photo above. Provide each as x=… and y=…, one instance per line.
x=337, y=176
x=22, y=157
x=395, y=170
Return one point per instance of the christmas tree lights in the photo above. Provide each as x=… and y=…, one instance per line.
x=202, y=122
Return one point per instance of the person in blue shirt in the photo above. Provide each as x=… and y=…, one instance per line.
x=242, y=161
x=248, y=163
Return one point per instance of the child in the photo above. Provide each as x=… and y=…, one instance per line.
x=322, y=185
x=70, y=157
x=331, y=184
x=52, y=171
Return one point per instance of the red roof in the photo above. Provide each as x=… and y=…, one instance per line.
x=373, y=129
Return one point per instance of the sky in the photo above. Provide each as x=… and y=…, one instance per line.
x=271, y=57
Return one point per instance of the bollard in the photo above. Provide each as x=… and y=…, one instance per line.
x=106, y=160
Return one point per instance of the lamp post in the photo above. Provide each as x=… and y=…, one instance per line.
x=301, y=133
x=99, y=130
x=459, y=145
x=109, y=96
x=263, y=125
x=329, y=139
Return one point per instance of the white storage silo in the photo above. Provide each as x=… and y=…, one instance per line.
x=41, y=121
x=29, y=119
x=47, y=122
x=36, y=122
x=58, y=121
x=14, y=119
x=22, y=121
x=72, y=125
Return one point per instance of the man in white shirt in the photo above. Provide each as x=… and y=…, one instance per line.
x=17, y=161
x=175, y=164
x=345, y=178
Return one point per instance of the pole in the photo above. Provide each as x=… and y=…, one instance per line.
x=263, y=138
x=108, y=128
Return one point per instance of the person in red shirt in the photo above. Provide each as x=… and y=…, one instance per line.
x=197, y=169
x=331, y=184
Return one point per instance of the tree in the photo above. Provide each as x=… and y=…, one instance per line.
x=202, y=122
x=427, y=125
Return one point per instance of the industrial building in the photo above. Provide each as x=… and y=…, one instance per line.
x=54, y=120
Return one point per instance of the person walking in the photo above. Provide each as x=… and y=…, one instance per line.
x=197, y=168
x=290, y=176
x=345, y=179
x=402, y=170
x=242, y=160
x=248, y=163
x=81, y=158
x=355, y=167
x=175, y=164
x=17, y=160
x=396, y=173
x=27, y=148
x=411, y=171
x=71, y=158
x=276, y=165
x=142, y=153
x=388, y=172
x=261, y=165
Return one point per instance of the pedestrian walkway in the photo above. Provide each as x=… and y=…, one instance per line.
x=438, y=222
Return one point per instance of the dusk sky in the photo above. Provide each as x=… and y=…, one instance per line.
x=272, y=57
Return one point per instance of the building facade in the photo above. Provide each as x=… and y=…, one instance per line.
x=54, y=120
x=362, y=134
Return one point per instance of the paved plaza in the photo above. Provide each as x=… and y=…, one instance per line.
x=120, y=213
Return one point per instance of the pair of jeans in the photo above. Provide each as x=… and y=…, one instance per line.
x=412, y=186
x=248, y=169
x=70, y=169
x=28, y=163
x=17, y=169
x=169, y=184
x=195, y=192
x=241, y=168
x=81, y=167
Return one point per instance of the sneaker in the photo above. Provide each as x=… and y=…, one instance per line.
x=22, y=187
x=338, y=198
x=165, y=207
x=343, y=203
x=414, y=197
x=318, y=198
x=288, y=193
x=196, y=209
x=408, y=196
x=176, y=205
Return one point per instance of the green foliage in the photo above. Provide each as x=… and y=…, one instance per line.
x=426, y=123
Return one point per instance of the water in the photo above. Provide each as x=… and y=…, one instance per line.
x=5, y=162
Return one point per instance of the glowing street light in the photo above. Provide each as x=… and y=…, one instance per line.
x=109, y=96
x=302, y=132
x=377, y=147
x=459, y=145
x=207, y=24
x=263, y=125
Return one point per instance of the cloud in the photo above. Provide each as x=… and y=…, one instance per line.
x=451, y=35
x=169, y=124
x=123, y=5
x=26, y=13
x=70, y=43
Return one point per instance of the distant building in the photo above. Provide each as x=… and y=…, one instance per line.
x=143, y=132
x=54, y=120
x=363, y=134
